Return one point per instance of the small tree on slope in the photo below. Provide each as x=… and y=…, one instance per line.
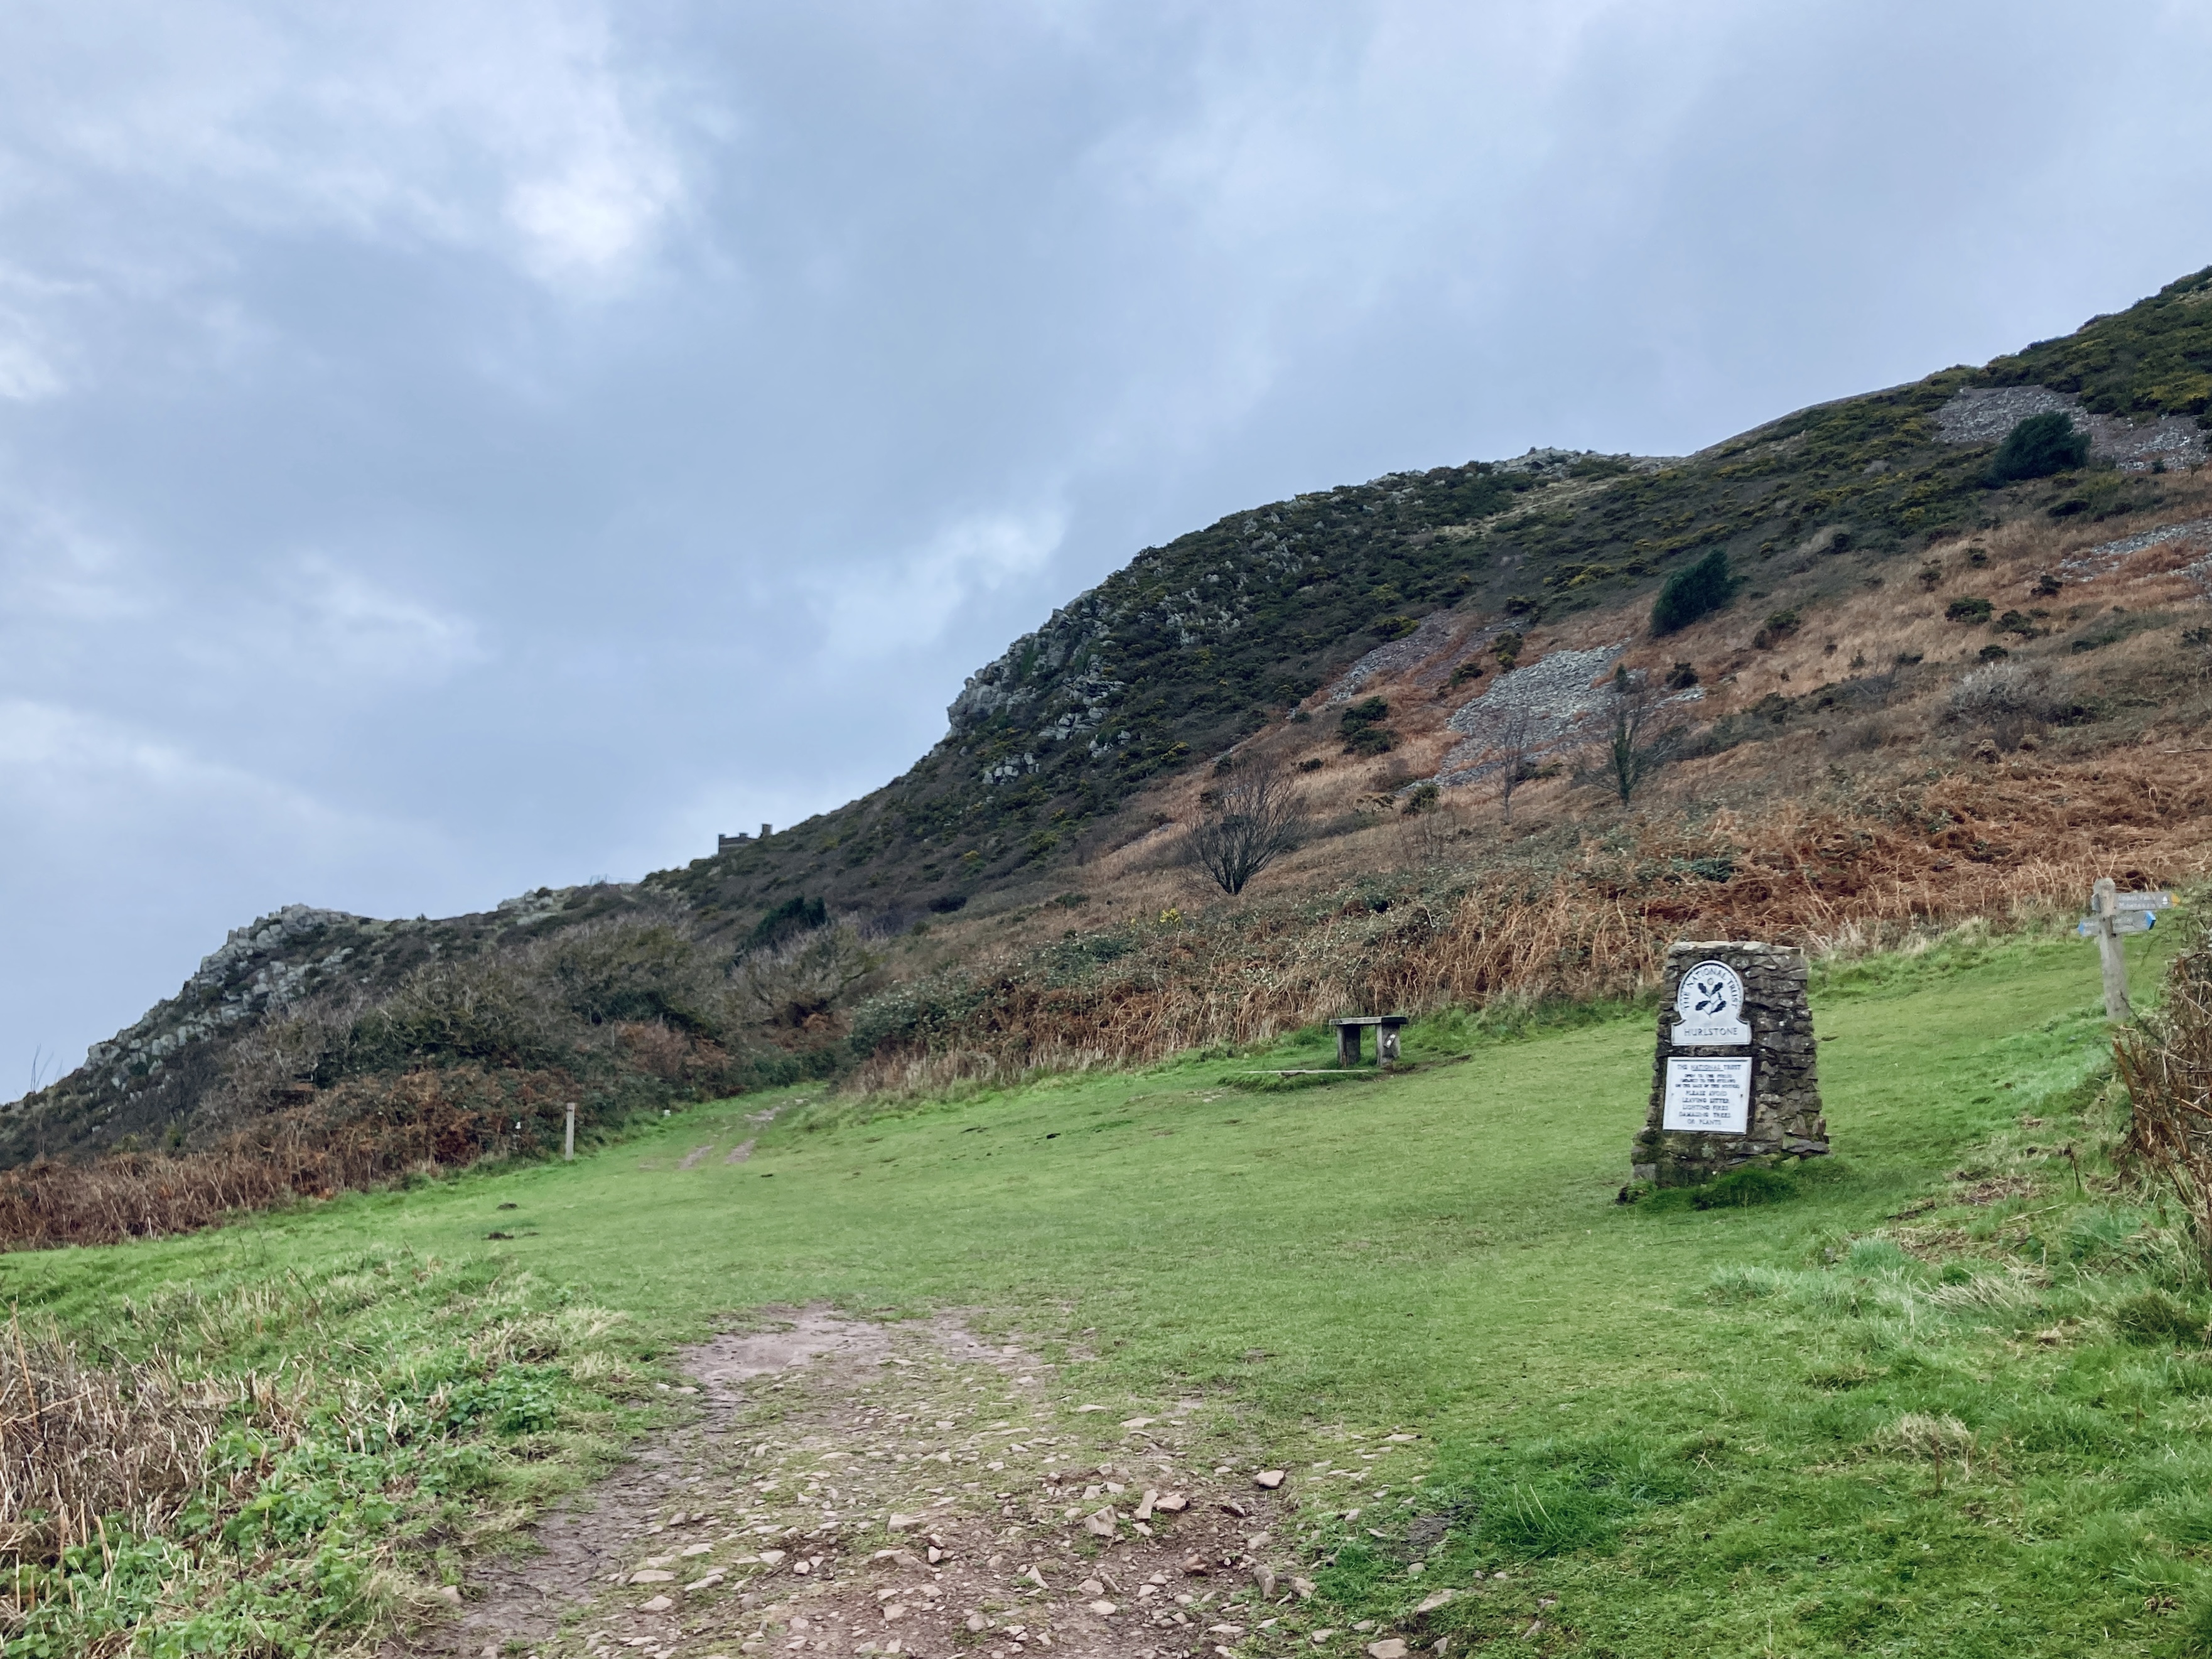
x=1688, y=594
x=1257, y=818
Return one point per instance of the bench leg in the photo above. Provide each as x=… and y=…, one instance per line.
x=1347, y=1045
x=1386, y=1045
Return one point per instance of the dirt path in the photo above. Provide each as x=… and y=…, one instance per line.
x=854, y=1488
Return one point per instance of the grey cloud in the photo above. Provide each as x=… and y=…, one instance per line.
x=444, y=449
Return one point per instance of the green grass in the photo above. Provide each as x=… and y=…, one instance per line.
x=1699, y=1431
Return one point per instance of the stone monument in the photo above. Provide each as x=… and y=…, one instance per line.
x=1734, y=1081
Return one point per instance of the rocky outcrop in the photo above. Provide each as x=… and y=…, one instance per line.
x=257, y=968
x=1983, y=415
x=140, y=1085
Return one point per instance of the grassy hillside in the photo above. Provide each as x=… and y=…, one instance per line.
x=1928, y=696
x=1948, y=1396
x=1198, y=644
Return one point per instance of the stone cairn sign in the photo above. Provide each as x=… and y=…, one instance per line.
x=1734, y=1081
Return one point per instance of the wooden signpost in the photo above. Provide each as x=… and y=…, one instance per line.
x=2113, y=915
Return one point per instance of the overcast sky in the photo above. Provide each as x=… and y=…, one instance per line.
x=447, y=447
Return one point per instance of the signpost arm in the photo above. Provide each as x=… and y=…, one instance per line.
x=2104, y=902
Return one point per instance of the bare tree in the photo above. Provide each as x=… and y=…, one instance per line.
x=1428, y=828
x=1514, y=738
x=1257, y=816
x=797, y=982
x=1632, y=759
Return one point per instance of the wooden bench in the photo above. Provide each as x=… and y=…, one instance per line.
x=1386, y=1037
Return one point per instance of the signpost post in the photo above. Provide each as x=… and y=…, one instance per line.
x=2113, y=915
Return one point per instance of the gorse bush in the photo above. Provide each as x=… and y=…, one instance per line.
x=2039, y=446
x=1361, y=727
x=623, y=970
x=1698, y=591
x=1972, y=612
x=796, y=983
x=797, y=915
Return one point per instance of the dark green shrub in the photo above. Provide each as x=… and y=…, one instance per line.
x=1973, y=611
x=795, y=915
x=1361, y=727
x=624, y=969
x=1681, y=677
x=2039, y=446
x=909, y=1015
x=1991, y=654
x=1696, y=591
x=1739, y=1188
x=484, y=1010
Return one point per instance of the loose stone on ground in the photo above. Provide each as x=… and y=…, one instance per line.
x=855, y=1488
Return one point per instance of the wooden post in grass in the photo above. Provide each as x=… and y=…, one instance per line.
x=2104, y=904
x=2112, y=915
x=568, y=1141
x=1735, y=1082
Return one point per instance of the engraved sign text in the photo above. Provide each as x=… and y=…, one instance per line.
x=1711, y=1096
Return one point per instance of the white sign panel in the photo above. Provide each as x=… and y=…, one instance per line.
x=2143, y=902
x=2124, y=921
x=1709, y=1008
x=1713, y=1095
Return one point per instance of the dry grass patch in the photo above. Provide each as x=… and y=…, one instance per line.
x=85, y=1447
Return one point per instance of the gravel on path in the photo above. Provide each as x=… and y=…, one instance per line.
x=850, y=1487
